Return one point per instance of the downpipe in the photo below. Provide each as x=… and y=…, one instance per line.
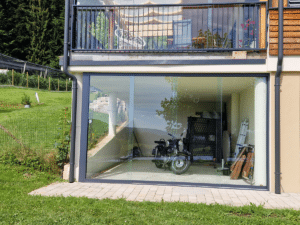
x=74, y=90
x=277, y=98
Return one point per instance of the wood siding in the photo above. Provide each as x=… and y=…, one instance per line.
x=263, y=33
x=291, y=32
x=275, y=3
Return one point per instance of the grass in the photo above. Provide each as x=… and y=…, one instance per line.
x=36, y=127
x=17, y=207
x=39, y=127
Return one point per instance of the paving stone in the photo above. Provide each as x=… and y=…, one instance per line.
x=175, y=198
x=184, y=198
x=227, y=202
x=134, y=192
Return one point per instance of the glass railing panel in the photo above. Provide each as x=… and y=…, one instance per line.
x=197, y=27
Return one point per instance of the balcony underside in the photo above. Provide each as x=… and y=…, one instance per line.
x=209, y=58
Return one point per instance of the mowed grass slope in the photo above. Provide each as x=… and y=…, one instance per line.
x=37, y=126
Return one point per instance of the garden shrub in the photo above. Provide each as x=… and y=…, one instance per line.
x=25, y=100
x=45, y=163
x=54, y=84
x=4, y=79
x=33, y=81
x=62, y=85
x=50, y=160
x=44, y=83
x=69, y=85
x=20, y=79
x=24, y=81
x=63, y=138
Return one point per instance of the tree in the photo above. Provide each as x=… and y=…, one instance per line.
x=32, y=30
x=37, y=26
x=14, y=37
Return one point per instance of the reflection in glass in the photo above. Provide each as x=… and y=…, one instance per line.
x=178, y=129
x=172, y=27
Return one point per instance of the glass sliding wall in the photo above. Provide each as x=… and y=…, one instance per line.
x=178, y=129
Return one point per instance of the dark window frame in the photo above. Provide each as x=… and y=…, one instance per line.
x=85, y=120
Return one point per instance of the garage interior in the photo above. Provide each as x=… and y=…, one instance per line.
x=153, y=106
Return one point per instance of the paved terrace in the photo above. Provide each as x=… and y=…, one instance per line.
x=156, y=193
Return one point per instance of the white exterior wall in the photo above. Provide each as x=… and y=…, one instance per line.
x=290, y=63
x=171, y=69
x=78, y=125
x=260, y=132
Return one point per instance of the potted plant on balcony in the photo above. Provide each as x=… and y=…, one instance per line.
x=26, y=101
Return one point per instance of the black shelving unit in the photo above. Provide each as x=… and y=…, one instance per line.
x=203, y=133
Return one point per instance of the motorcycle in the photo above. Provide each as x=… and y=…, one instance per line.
x=167, y=154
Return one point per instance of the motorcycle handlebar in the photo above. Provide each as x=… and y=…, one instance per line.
x=159, y=142
x=171, y=135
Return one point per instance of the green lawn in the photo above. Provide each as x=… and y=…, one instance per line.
x=36, y=127
x=17, y=207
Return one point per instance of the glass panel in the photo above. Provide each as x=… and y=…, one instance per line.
x=209, y=129
x=109, y=137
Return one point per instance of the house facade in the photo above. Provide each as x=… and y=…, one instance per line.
x=183, y=92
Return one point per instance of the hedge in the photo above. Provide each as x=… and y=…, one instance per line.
x=20, y=79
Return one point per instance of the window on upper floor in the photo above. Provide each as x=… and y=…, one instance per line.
x=294, y=3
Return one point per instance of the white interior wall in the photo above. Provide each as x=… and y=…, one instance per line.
x=246, y=111
x=228, y=113
x=235, y=118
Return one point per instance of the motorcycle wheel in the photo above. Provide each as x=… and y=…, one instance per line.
x=180, y=164
x=158, y=164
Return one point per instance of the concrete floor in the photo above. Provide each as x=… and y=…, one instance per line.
x=143, y=169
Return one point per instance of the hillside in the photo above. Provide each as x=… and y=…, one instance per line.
x=36, y=127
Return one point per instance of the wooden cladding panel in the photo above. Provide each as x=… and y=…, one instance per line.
x=263, y=27
x=286, y=46
x=285, y=23
x=289, y=16
x=286, y=52
x=285, y=34
x=285, y=40
x=275, y=3
x=285, y=28
x=291, y=32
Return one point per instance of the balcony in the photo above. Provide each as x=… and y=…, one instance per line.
x=169, y=28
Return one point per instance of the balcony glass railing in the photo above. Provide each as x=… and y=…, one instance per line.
x=194, y=27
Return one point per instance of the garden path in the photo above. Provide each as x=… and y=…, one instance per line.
x=155, y=193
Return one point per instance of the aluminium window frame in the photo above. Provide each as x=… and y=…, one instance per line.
x=85, y=124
